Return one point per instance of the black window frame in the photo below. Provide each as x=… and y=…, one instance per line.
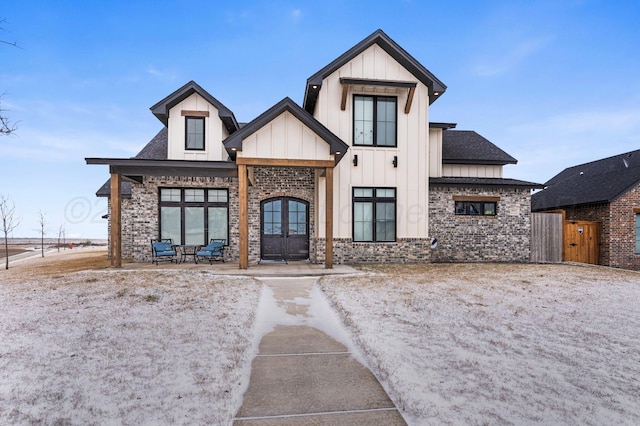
x=182, y=204
x=374, y=199
x=466, y=208
x=375, y=120
x=186, y=133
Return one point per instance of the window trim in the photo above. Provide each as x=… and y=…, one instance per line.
x=182, y=204
x=636, y=217
x=186, y=132
x=374, y=199
x=375, y=120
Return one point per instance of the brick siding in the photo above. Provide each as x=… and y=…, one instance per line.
x=502, y=238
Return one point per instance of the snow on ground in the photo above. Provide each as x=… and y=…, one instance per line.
x=499, y=344
x=124, y=347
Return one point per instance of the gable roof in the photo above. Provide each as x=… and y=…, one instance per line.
x=468, y=147
x=336, y=146
x=601, y=181
x=161, y=109
x=314, y=83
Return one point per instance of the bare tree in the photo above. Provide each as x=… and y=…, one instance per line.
x=42, y=221
x=9, y=222
x=60, y=235
x=6, y=126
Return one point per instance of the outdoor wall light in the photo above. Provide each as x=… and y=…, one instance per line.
x=395, y=161
x=355, y=160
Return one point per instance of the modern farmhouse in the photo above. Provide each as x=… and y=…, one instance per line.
x=358, y=173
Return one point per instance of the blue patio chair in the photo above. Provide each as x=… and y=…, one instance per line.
x=163, y=249
x=213, y=251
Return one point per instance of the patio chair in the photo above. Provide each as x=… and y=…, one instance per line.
x=213, y=251
x=163, y=249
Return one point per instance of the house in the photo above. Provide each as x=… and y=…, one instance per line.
x=606, y=191
x=357, y=173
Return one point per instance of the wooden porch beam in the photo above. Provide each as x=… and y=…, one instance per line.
x=243, y=213
x=283, y=162
x=115, y=216
x=328, y=225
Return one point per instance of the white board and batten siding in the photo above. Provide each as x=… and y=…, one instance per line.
x=375, y=164
x=215, y=132
x=285, y=137
x=471, y=170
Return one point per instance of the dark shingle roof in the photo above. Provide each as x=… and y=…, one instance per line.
x=482, y=182
x=597, y=182
x=468, y=147
x=156, y=149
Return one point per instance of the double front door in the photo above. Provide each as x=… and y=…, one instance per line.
x=284, y=229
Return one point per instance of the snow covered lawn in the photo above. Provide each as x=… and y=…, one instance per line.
x=499, y=344
x=124, y=347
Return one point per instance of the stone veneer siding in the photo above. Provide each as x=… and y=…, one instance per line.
x=272, y=182
x=618, y=248
x=404, y=250
x=502, y=238
x=140, y=214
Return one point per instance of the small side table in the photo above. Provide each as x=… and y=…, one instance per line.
x=187, y=250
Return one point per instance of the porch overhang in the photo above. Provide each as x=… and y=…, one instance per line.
x=134, y=169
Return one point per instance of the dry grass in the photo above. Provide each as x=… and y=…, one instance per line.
x=55, y=263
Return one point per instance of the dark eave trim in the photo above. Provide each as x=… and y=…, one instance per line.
x=386, y=83
x=314, y=83
x=161, y=109
x=479, y=162
x=484, y=183
x=133, y=168
x=443, y=126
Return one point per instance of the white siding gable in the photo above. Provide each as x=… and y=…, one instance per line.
x=215, y=132
x=285, y=137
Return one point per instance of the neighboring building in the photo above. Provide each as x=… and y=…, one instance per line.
x=355, y=174
x=605, y=191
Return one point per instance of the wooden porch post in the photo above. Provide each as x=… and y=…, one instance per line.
x=115, y=216
x=328, y=226
x=243, y=213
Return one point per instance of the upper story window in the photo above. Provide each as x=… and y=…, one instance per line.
x=194, y=133
x=374, y=120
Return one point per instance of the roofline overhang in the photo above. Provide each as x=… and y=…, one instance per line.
x=480, y=162
x=314, y=83
x=489, y=183
x=135, y=168
x=444, y=126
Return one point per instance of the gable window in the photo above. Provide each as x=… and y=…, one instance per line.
x=194, y=133
x=476, y=208
x=374, y=120
x=194, y=215
x=374, y=214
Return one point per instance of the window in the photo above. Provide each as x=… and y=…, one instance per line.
x=194, y=215
x=194, y=133
x=637, y=233
x=374, y=214
x=476, y=208
x=374, y=120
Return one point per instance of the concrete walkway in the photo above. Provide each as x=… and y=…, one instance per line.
x=304, y=376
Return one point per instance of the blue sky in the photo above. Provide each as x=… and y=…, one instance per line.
x=554, y=83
